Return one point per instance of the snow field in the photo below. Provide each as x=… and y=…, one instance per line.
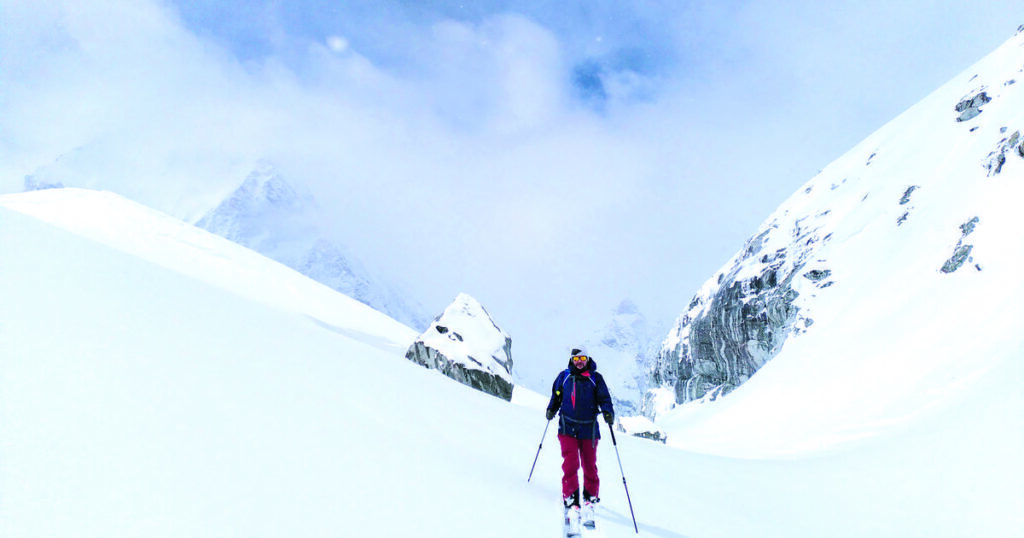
x=139, y=400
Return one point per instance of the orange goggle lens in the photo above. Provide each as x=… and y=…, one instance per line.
x=580, y=358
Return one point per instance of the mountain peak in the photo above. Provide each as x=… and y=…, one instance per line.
x=268, y=214
x=626, y=308
x=265, y=183
x=263, y=195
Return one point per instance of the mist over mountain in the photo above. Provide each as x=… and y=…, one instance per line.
x=267, y=214
x=853, y=371
x=626, y=349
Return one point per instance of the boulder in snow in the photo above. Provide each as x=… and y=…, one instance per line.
x=466, y=345
x=641, y=427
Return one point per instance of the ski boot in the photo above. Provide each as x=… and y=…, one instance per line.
x=572, y=514
x=587, y=511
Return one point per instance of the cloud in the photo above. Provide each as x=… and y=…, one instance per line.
x=549, y=159
x=504, y=73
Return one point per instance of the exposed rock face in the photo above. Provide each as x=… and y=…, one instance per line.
x=962, y=252
x=466, y=345
x=738, y=321
x=997, y=158
x=970, y=107
x=904, y=201
x=870, y=217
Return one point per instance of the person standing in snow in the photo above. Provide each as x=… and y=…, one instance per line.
x=578, y=395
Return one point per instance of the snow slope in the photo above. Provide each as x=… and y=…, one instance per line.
x=895, y=339
x=129, y=227
x=156, y=380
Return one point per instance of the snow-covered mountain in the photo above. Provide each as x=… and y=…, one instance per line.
x=158, y=380
x=465, y=344
x=625, y=348
x=919, y=213
x=267, y=214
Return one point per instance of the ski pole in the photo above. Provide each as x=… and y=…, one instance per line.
x=538, y=450
x=616, y=445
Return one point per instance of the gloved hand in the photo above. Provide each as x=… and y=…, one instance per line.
x=609, y=417
x=550, y=414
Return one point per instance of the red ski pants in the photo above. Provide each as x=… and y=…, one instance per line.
x=575, y=452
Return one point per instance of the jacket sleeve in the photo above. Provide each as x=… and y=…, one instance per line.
x=556, y=394
x=604, y=396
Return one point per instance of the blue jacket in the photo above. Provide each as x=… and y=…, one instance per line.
x=579, y=396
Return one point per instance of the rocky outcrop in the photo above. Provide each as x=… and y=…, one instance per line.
x=970, y=107
x=641, y=427
x=734, y=327
x=904, y=200
x=466, y=345
x=997, y=158
x=962, y=251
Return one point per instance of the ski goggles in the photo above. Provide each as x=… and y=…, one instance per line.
x=580, y=358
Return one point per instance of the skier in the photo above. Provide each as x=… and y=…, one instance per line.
x=577, y=395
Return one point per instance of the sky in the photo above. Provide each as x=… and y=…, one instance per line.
x=549, y=159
